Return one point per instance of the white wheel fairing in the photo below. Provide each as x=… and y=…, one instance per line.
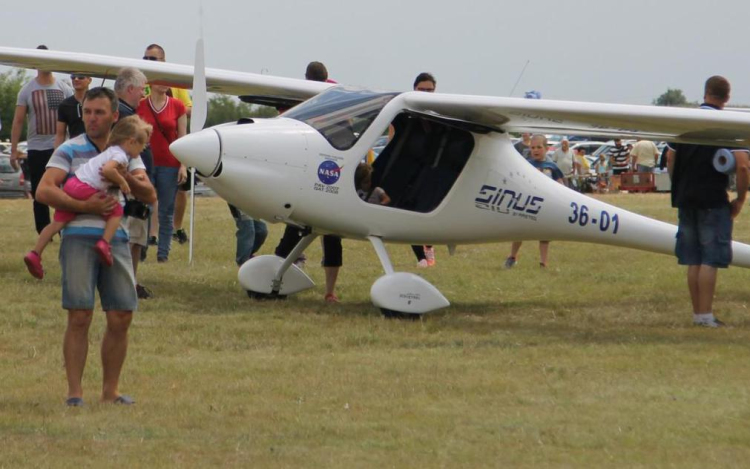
x=406, y=293
x=257, y=275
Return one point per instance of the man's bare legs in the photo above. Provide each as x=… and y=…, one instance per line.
x=135, y=253
x=332, y=274
x=511, y=260
x=514, y=248
x=180, y=205
x=153, y=230
x=76, y=348
x=543, y=253
x=114, y=350
x=702, y=284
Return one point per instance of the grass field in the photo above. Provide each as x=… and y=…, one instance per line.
x=590, y=363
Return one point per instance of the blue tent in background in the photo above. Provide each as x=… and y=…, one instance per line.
x=533, y=94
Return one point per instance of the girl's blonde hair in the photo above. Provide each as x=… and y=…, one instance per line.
x=127, y=128
x=362, y=175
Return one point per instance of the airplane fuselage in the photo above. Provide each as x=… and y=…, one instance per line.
x=285, y=170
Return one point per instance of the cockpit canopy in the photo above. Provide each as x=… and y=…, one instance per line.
x=341, y=114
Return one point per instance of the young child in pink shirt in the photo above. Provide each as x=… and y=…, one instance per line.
x=128, y=139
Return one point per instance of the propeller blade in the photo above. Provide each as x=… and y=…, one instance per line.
x=200, y=101
x=197, y=120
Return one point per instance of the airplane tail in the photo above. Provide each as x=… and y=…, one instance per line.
x=590, y=220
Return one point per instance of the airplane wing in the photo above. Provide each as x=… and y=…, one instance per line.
x=180, y=76
x=730, y=129
x=698, y=126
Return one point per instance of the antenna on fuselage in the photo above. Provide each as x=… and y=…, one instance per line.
x=519, y=78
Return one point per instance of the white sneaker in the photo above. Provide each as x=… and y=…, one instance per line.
x=708, y=323
x=423, y=264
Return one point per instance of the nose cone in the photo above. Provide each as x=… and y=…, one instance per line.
x=201, y=150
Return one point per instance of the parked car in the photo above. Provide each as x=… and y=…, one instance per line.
x=12, y=182
x=588, y=145
x=5, y=147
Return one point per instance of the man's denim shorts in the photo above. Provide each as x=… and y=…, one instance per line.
x=83, y=273
x=704, y=237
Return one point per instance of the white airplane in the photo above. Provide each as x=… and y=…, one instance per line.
x=450, y=170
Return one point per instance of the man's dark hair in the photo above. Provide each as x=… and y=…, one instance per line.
x=717, y=87
x=42, y=47
x=160, y=48
x=102, y=92
x=316, y=71
x=424, y=76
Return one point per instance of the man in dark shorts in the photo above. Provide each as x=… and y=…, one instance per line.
x=699, y=192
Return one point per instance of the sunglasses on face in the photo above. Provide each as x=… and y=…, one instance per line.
x=78, y=77
x=150, y=57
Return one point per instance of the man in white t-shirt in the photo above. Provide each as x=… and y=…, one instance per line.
x=563, y=157
x=645, y=152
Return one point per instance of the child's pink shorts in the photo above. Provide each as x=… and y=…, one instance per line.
x=81, y=191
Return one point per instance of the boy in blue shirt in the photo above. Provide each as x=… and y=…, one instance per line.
x=539, y=161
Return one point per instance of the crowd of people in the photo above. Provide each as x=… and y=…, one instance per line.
x=101, y=158
x=618, y=159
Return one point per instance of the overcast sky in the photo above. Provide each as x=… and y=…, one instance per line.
x=605, y=51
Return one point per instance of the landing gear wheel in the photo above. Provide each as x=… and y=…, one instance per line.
x=391, y=314
x=265, y=296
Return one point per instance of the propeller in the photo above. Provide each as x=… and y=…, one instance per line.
x=197, y=119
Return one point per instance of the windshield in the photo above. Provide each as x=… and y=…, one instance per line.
x=341, y=114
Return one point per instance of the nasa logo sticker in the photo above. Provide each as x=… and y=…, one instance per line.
x=329, y=172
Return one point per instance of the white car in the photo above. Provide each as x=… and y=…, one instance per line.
x=12, y=182
x=5, y=147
